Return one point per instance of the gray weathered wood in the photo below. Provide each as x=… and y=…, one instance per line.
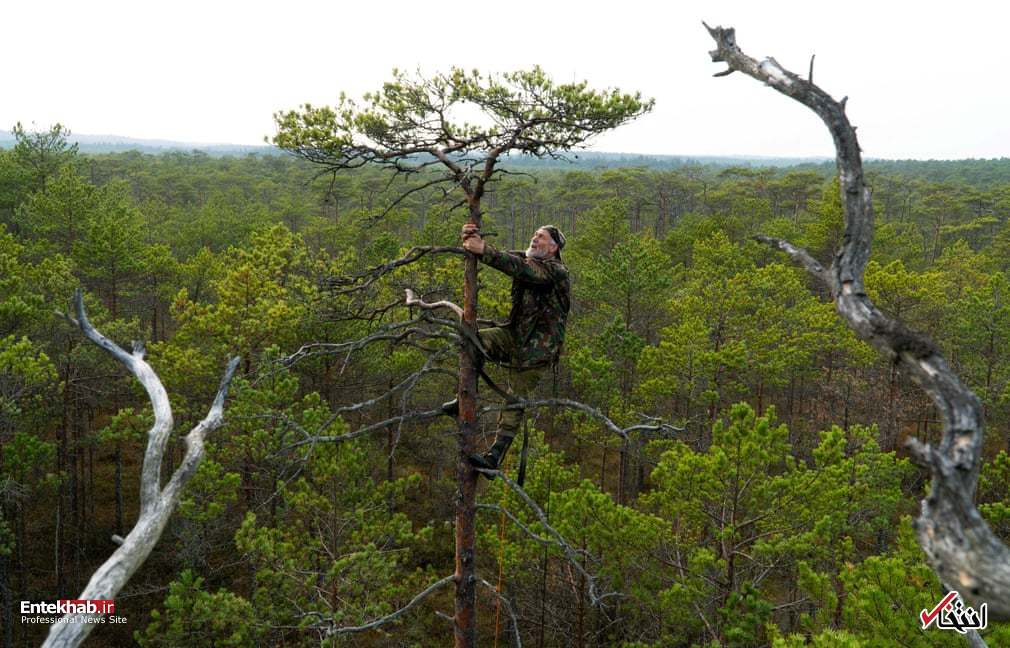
x=156, y=503
x=959, y=545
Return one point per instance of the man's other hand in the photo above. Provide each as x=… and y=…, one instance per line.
x=472, y=242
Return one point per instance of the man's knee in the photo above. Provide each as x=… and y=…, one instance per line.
x=509, y=421
x=497, y=343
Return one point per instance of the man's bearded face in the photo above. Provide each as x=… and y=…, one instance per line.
x=542, y=246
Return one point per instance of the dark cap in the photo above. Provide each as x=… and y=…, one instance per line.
x=556, y=236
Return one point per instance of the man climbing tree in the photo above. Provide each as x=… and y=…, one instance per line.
x=531, y=340
x=412, y=128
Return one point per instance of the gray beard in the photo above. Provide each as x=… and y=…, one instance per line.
x=536, y=254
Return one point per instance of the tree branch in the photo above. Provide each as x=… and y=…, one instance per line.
x=413, y=300
x=156, y=503
x=396, y=332
x=571, y=554
x=403, y=418
x=370, y=276
x=656, y=426
x=508, y=608
x=389, y=618
x=525, y=529
x=959, y=545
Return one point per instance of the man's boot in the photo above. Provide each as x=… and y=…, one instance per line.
x=491, y=459
x=451, y=408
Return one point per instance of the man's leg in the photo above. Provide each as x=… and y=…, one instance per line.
x=497, y=343
x=520, y=384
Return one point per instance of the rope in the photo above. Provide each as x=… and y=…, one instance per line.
x=501, y=559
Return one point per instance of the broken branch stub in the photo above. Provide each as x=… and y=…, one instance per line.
x=959, y=545
x=156, y=503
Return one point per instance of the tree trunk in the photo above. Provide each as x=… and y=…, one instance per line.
x=466, y=477
x=119, y=490
x=6, y=604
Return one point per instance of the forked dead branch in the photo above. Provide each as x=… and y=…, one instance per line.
x=156, y=502
x=959, y=545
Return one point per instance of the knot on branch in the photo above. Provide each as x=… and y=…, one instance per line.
x=902, y=339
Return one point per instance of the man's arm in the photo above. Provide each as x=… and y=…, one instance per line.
x=532, y=271
x=518, y=266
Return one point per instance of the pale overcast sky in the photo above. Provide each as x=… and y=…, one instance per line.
x=924, y=79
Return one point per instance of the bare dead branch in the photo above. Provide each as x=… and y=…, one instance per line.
x=395, y=332
x=395, y=420
x=656, y=426
x=389, y=618
x=405, y=385
x=508, y=607
x=361, y=281
x=312, y=438
x=975, y=640
x=413, y=300
x=539, y=539
x=406, y=194
x=959, y=545
x=571, y=554
x=801, y=256
x=156, y=503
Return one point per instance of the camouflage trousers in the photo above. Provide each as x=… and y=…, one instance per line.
x=519, y=381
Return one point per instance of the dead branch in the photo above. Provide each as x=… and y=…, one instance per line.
x=395, y=420
x=156, y=503
x=354, y=283
x=571, y=554
x=508, y=608
x=389, y=618
x=413, y=300
x=394, y=332
x=539, y=539
x=656, y=425
x=959, y=545
x=315, y=437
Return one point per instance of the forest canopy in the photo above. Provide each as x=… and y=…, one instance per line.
x=778, y=513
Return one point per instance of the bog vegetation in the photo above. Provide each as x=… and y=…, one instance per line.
x=778, y=514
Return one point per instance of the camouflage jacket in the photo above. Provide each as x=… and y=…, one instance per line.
x=541, y=299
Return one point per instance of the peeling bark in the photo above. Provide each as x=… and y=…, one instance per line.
x=959, y=545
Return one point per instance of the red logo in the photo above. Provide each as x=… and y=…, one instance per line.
x=90, y=606
x=952, y=614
